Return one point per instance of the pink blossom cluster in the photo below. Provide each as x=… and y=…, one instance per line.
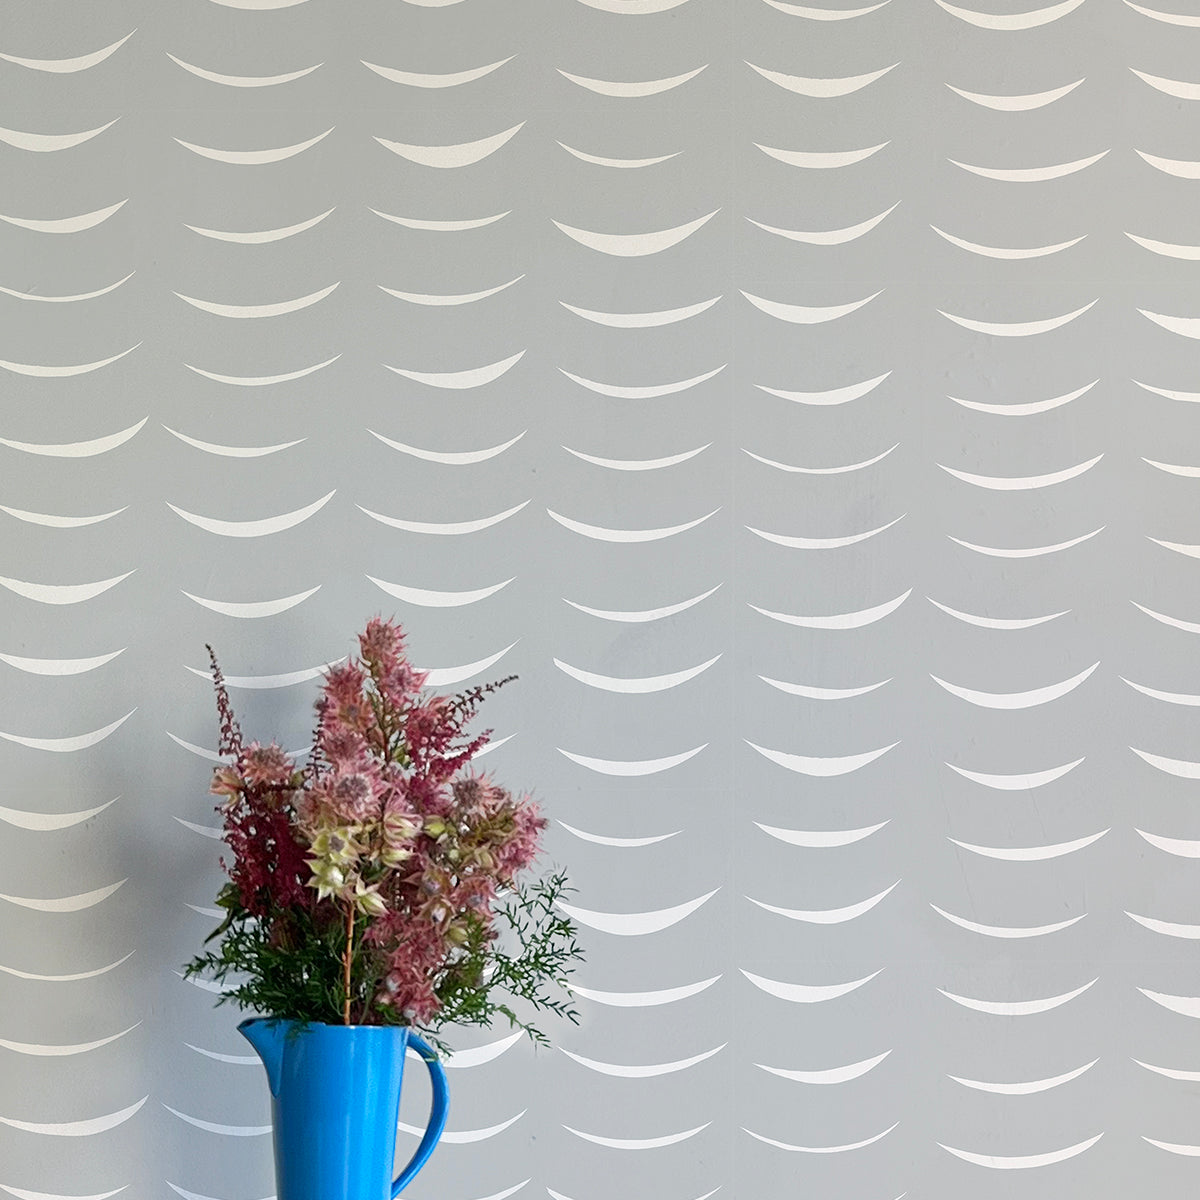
x=385, y=826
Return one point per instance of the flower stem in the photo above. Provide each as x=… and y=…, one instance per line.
x=347, y=959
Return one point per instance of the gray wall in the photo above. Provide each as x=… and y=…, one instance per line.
x=1005, y=930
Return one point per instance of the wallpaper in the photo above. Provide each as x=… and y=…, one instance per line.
x=800, y=400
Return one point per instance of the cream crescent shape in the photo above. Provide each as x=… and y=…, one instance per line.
x=253, y=608
x=638, y=464
x=235, y=1060
x=1171, y=929
x=88, y=220
x=232, y=451
x=821, y=88
x=822, y=838
x=441, y=226
x=1006, y=931
x=46, y=372
x=1023, y=103
x=476, y=1056
x=258, y=310
x=824, y=14
x=1186, y=626
x=427, y=598
x=996, y=622
x=641, y=1072
x=842, y=395
x=250, y=1059
x=1185, y=1006
x=1171, y=1073
x=259, y=528
x=1017, y=328
x=830, y=1075
x=1186, y=19
x=1031, y=174
x=1030, y=552
x=834, y=543
x=224, y=1130
x=1020, y=1161
x=459, y=154
x=258, y=5
x=47, y=143
x=803, y=993
x=67, y=593
x=631, y=91
x=651, y=392
x=112, y=287
x=85, y=1128
x=641, y=320
x=1179, y=167
x=262, y=380
x=65, y=904
x=826, y=916
x=466, y=1136
x=503, y=1195
x=638, y=1143
x=631, y=768
x=1174, y=1147
x=828, y=237
x=55, y=521
x=651, y=999
x=40, y=1050
x=821, y=768
x=215, y=832
x=1017, y=700
x=1025, y=410
x=432, y=3
x=444, y=528
x=199, y=751
x=262, y=236
x=1006, y=252
x=261, y=682
x=1028, y=1088
x=639, y=8
x=26, y=1194
x=620, y=842
x=870, y=462
x=207, y=985
x=820, y=1149
x=1016, y=1008
x=445, y=676
x=643, y=615
x=625, y=164
x=642, y=685
x=450, y=79
x=68, y=66
x=1030, y=853
x=66, y=978
x=1173, y=469
x=822, y=693
x=1016, y=782
x=45, y=822
x=1178, y=88
x=821, y=159
x=1180, y=768
x=1185, y=698
x=601, y=533
x=638, y=923
x=635, y=245
x=800, y=314
x=253, y=158
x=243, y=81
x=1012, y=21
x=443, y=300
x=1188, y=327
x=493, y=744
x=461, y=380
x=850, y=620
x=1180, y=847
x=460, y=458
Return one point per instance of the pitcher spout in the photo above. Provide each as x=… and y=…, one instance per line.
x=266, y=1035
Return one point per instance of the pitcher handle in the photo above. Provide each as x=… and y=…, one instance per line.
x=437, y=1115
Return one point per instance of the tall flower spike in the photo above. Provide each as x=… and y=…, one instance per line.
x=231, y=731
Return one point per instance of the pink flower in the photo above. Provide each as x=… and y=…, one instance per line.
x=266, y=766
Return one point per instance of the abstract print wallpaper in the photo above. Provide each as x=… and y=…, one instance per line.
x=800, y=399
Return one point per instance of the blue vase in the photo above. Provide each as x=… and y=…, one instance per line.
x=335, y=1100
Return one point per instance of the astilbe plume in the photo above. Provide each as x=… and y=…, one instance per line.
x=368, y=882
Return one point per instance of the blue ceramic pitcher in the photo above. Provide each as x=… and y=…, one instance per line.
x=335, y=1100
